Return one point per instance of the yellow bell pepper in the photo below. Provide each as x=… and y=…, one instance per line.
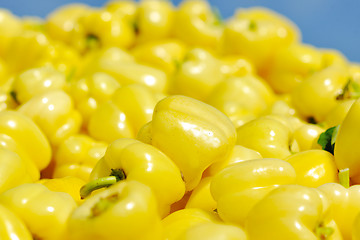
x=292, y=212
x=344, y=206
x=337, y=115
x=197, y=75
x=12, y=227
x=34, y=149
x=306, y=134
x=346, y=151
x=267, y=135
x=213, y=231
x=131, y=159
x=236, y=66
x=292, y=65
x=314, y=167
x=10, y=26
x=13, y=170
x=91, y=91
x=77, y=155
x=200, y=197
x=69, y=184
x=356, y=231
x=180, y=221
x=241, y=97
x=316, y=96
x=238, y=187
x=193, y=134
x=54, y=113
x=165, y=55
x=128, y=110
x=126, y=9
x=154, y=20
x=44, y=212
x=126, y=210
x=37, y=81
x=333, y=58
x=198, y=25
x=257, y=34
x=101, y=28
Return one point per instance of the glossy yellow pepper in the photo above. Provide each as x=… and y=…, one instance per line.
x=91, y=91
x=314, y=167
x=337, y=115
x=257, y=34
x=77, y=155
x=126, y=9
x=236, y=66
x=44, y=212
x=344, y=206
x=200, y=197
x=154, y=20
x=54, y=113
x=126, y=210
x=238, y=187
x=306, y=134
x=165, y=54
x=197, y=75
x=128, y=110
x=37, y=81
x=267, y=135
x=241, y=97
x=101, y=28
x=180, y=221
x=291, y=65
x=10, y=26
x=34, y=149
x=69, y=184
x=13, y=171
x=197, y=24
x=193, y=134
x=131, y=159
x=292, y=212
x=346, y=150
x=12, y=227
x=316, y=96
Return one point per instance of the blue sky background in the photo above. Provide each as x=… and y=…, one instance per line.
x=323, y=23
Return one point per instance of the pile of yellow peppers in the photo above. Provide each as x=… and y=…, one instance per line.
x=146, y=121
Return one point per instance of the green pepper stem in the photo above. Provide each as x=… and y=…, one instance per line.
x=344, y=177
x=324, y=233
x=88, y=188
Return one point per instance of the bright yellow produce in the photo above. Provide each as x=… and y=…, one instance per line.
x=10, y=26
x=12, y=227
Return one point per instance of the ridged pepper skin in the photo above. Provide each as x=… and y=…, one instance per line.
x=292, y=212
x=238, y=187
x=344, y=205
x=193, y=134
x=34, y=148
x=127, y=210
x=12, y=227
x=347, y=152
x=44, y=212
x=146, y=164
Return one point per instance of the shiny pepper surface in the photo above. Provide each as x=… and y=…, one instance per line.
x=346, y=150
x=146, y=164
x=55, y=114
x=126, y=210
x=12, y=227
x=77, y=155
x=44, y=212
x=33, y=149
x=238, y=187
x=193, y=134
x=292, y=212
x=344, y=204
x=128, y=110
x=10, y=26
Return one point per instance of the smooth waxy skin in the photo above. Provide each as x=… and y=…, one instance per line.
x=10, y=26
x=238, y=187
x=337, y=115
x=33, y=148
x=201, y=197
x=12, y=227
x=131, y=214
x=344, y=204
x=193, y=134
x=306, y=135
x=146, y=164
x=44, y=212
x=314, y=167
x=347, y=152
x=289, y=212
